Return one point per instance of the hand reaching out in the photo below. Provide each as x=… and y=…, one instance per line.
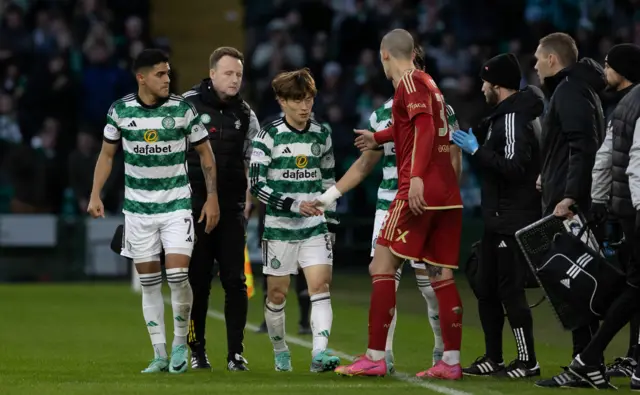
x=365, y=140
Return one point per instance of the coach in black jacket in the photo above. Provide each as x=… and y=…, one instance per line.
x=232, y=125
x=572, y=132
x=509, y=162
x=573, y=126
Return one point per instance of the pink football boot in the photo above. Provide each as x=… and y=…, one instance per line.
x=443, y=371
x=363, y=366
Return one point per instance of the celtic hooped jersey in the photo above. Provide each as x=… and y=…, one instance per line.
x=154, y=141
x=289, y=165
x=381, y=119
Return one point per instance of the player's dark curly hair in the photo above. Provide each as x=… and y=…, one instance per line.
x=418, y=57
x=149, y=58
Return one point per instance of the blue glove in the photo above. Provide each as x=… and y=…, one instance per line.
x=466, y=141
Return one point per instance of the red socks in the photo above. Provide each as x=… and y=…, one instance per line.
x=381, y=309
x=450, y=312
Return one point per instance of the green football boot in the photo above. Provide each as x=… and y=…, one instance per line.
x=157, y=365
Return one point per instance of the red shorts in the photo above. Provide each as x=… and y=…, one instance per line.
x=433, y=237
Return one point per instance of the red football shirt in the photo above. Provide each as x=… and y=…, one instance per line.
x=425, y=155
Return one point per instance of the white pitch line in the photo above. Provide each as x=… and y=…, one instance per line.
x=306, y=344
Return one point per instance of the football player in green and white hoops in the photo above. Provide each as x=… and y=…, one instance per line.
x=155, y=129
x=292, y=163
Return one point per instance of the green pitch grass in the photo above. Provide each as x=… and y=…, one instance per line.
x=86, y=339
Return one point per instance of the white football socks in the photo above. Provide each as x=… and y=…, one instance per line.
x=274, y=318
x=451, y=357
x=153, y=311
x=321, y=320
x=429, y=295
x=392, y=325
x=181, y=302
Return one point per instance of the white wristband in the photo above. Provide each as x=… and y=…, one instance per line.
x=295, y=207
x=330, y=196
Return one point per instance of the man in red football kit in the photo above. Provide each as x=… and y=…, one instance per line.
x=422, y=225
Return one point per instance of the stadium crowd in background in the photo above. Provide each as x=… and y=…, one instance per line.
x=339, y=41
x=54, y=53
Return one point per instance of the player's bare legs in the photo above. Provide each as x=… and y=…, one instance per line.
x=424, y=285
x=274, y=317
x=177, y=266
x=381, y=310
x=450, y=313
x=318, y=282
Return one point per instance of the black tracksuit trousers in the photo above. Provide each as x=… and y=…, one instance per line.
x=224, y=245
x=501, y=281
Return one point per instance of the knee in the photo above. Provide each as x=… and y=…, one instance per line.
x=318, y=287
x=439, y=273
x=319, y=282
x=379, y=267
x=178, y=278
x=234, y=283
x=277, y=295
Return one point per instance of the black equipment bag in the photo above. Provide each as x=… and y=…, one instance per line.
x=578, y=282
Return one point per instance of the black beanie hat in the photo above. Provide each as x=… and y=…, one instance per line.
x=502, y=70
x=624, y=59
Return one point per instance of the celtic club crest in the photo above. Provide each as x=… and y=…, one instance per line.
x=315, y=149
x=168, y=123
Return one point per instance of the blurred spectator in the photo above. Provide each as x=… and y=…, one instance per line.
x=51, y=91
x=44, y=38
x=34, y=172
x=80, y=167
x=13, y=81
x=14, y=36
x=87, y=14
x=62, y=63
x=103, y=82
x=9, y=129
x=278, y=53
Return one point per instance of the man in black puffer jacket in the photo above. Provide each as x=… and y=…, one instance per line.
x=613, y=205
x=572, y=131
x=232, y=125
x=509, y=161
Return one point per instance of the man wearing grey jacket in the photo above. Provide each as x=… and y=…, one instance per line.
x=609, y=190
x=625, y=198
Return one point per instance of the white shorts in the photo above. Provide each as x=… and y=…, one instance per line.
x=282, y=258
x=381, y=216
x=144, y=237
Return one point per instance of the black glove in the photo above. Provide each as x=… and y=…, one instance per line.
x=637, y=225
x=599, y=212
